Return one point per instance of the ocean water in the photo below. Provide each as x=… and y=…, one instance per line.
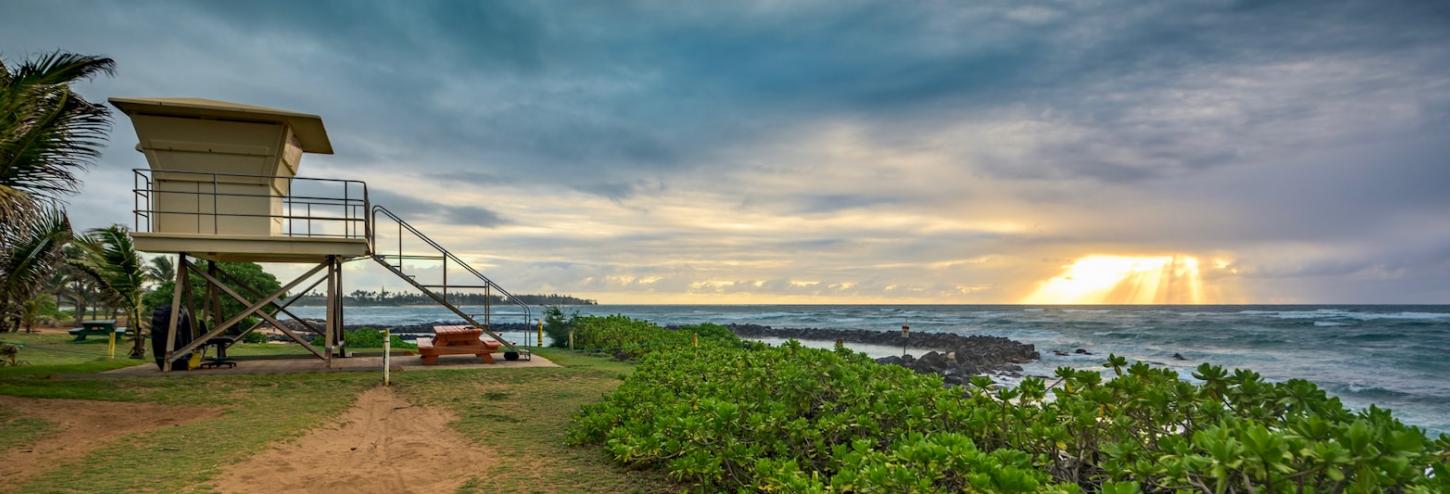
x=1396, y=357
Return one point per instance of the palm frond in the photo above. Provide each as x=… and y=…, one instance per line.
x=48, y=133
x=161, y=269
x=109, y=255
x=30, y=254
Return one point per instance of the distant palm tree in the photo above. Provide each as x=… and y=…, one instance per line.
x=31, y=252
x=161, y=269
x=47, y=132
x=109, y=255
x=70, y=283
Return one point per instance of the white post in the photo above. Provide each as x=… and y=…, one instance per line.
x=387, y=354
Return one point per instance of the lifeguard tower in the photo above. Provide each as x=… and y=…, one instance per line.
x=223, y=185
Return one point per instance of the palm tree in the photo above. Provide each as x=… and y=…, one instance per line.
x=161, y=269
x=47, y=132
x=109, y=256
x=29, y=256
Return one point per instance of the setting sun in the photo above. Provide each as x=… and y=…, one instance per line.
x=1101, y=279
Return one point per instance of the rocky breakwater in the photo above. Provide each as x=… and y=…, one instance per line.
x=955, y=357
x=980, y=355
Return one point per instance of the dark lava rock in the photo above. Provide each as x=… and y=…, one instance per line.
x=1082, y=352
x=1060, y=353
x=978, y=355
x=933, y=362
x=1178, y=356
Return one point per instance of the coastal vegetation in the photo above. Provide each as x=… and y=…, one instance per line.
x=628, y=338
x=109, y=256
x=733, y=416
x=48, y=134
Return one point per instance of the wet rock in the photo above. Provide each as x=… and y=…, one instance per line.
x=1082, y=352
x=932, y=362
x=1060, y=353
x=893, y=360
x=1178, y=356
x=976, y=356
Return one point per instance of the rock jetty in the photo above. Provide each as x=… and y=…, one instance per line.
x=955, y=357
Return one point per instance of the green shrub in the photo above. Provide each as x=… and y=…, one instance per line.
x=557, y=326
x=793, y=419
x=368, y=338
x=631, y=338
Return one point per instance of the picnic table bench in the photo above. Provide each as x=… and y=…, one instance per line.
x=457, y=340
x=100, y=328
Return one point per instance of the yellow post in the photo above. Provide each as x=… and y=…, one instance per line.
x=695, y=339
x=541, y=332
x=111, y=349
x=571, y=339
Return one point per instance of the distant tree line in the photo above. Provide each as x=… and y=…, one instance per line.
x=383, y=297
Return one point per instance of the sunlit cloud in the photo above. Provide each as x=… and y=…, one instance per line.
x=1100, y=279
x=955, y=153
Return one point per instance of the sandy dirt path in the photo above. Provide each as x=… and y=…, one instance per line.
x=82, y=426
x=383, y=444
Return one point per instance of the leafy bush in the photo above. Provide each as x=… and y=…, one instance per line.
x=557, y=326
x=794, y=419
x=631, y=338
x=373, y=338
x=367, y=338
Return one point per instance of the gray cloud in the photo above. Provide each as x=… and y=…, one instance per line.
x=1303, y=139
x=411, y=208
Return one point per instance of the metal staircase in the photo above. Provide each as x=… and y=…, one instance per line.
x=475, y=281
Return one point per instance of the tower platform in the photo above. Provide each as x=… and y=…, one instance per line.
x=251, y=248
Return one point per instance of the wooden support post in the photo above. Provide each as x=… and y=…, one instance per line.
x=214, y=302
x=341, y=297
x=176, y=291
x=188, y=303
x=330, y=326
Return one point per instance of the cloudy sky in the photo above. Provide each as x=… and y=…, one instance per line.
x=839, y=151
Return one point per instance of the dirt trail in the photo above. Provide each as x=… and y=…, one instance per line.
x=83, y=426
x=383, y=444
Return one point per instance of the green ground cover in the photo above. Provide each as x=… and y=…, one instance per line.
x=792, y=419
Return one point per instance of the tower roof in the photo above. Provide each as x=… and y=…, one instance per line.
x=307, y=127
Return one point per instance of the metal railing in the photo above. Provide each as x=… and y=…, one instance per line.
x=446, y=258
x=338, y=210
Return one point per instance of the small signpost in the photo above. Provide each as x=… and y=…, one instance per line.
x=905, y=333
x=387, y=355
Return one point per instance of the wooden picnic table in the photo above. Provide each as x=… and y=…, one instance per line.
x=457, y=340
x=96, y=327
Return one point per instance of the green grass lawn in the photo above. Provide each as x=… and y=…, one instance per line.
x=520, y=414
x=17, y=431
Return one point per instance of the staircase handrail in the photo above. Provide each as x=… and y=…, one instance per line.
x=378, y=208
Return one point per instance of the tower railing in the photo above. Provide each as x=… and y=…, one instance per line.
x=327, y=207
x=396, y=261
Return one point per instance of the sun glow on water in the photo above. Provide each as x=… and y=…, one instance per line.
x=1100, y=279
